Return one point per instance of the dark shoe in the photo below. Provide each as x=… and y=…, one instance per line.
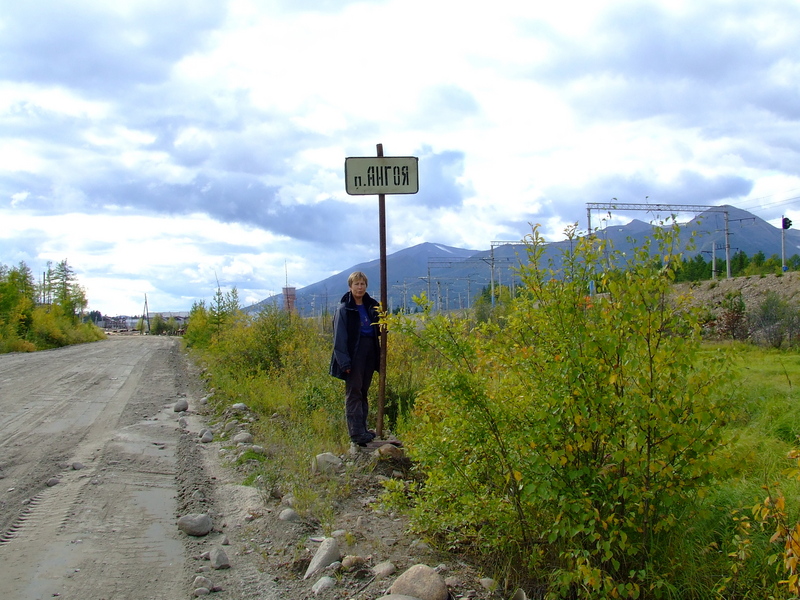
x=362, y=440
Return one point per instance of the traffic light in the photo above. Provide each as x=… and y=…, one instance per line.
x=787, y=222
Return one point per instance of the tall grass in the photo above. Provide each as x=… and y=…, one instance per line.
x=277, y=364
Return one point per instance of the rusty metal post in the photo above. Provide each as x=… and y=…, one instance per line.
x=384, y=306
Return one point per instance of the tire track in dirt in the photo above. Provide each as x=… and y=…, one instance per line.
x=107, y=530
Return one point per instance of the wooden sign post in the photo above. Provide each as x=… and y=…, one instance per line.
x=382, y=175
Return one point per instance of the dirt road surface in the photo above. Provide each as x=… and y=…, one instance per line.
x=97, y=422
x=106, y=530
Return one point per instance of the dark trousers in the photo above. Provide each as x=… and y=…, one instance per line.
x=356, y=388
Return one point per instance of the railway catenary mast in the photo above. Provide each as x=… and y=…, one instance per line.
x=670, y=208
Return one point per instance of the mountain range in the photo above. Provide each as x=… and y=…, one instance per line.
x=452, y=277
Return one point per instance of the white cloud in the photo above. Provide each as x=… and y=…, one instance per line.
x=160, y=154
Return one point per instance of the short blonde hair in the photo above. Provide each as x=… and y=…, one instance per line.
x=356, y=276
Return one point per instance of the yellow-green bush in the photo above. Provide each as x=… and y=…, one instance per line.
x=573, y=442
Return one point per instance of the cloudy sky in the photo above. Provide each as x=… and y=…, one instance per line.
x=162, y=146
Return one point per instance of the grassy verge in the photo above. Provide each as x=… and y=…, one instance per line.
x=277, y=364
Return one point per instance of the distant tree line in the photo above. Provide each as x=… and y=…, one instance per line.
x=44, y=314
x=698, y=268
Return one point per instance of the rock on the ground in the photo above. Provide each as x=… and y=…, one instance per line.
x=181, y=405
x=289, y=514
x=421, y=581
x=243, y=438
x=390, y=451
x=326, y=462
x=207, y=437
x=384, y=569
x=239, y=406
x=350, y=561
x=219, y=560
x=203, y=582
x=488, y=583
x=195, y=524
x=53, y=481
x=398, y=597
x=325, y=583
x=327, y=553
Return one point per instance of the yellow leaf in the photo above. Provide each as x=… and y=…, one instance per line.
x=518, y=476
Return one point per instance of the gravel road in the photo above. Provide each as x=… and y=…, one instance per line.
x=98, y=419
x=96, y=466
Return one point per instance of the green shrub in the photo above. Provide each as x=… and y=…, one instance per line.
x=732, y=323
x=575, y=440
x=773, y=321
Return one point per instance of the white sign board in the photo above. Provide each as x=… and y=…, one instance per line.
x=381, y=175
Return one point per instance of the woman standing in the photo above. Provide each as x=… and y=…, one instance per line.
x=356, y=353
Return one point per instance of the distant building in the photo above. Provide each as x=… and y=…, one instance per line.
x=289, y=298
x=123, y=323
x=179, y=316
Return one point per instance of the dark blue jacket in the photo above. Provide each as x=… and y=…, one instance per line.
x=347, y=333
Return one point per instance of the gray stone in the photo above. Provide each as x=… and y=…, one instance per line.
x=77, y=466
x=398, y=597
x=327, y=553
x=195, y=524
x=53, y=481
x=219, y=560
x=243, y=438
x=207, y=437
x=326, y=462
x=181, y=405
x=325, y=583
x=203, y=582
x=201, y=591
x=421, y=581
x=384, y=569
x=239, y=406
x=289, y=514
x=488, y=584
